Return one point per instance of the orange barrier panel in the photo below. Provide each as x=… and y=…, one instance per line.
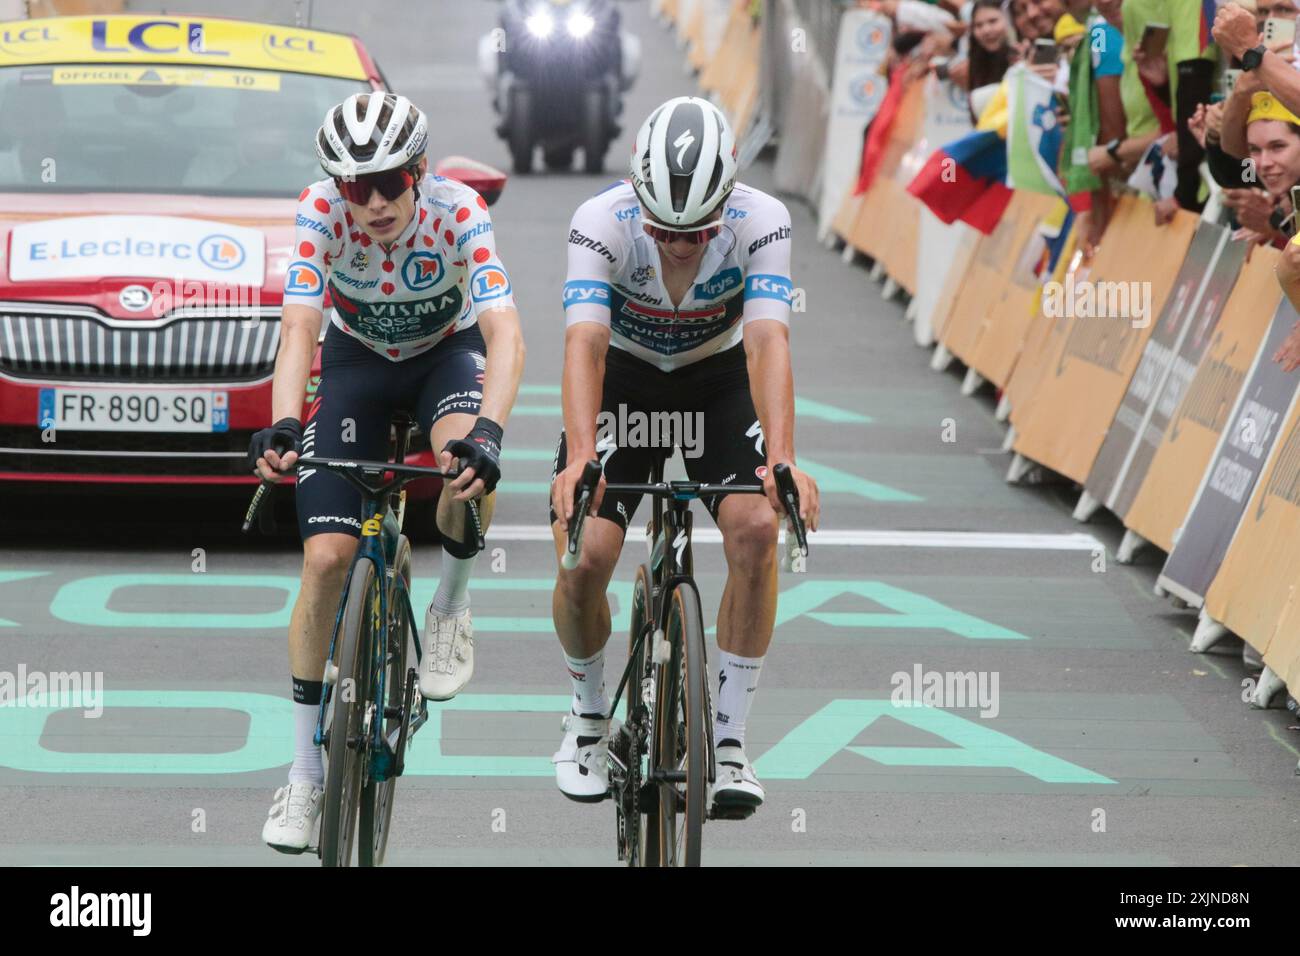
x=669, y=8
x=722, y=66
x=954, y=279
x=1261, y=571
x=901, y=253
x=1187, y=447
x=73, y=8
x=1067, y=417
x=990, y=271
x=1002, y=334
x=842, y=224
x=873, y=232
x=695, y=52
x=1041, y=338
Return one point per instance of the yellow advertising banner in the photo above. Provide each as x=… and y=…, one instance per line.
x=1107, y=319
x=1031, y=363
x=874, y=232
x=846, y=215
x=1254, y=590
x=1188, y=445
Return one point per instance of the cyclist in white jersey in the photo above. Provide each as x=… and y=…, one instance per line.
x=677, y=300
x=422, y=320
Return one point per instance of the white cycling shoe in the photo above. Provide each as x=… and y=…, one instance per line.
x=448, y=661
x=736, y=791
x=581, y=763
x=292, y=820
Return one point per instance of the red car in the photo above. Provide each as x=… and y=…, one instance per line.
x=150, y=168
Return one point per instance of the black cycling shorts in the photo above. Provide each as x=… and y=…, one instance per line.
x=351, y=417
x=715, y=425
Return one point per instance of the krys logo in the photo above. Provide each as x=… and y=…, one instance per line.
x=489, y=282
x=422, y=270
x=303, y=278
x=221, y=252
x=718, y=284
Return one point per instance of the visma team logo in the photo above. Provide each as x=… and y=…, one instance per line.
x=221, y=252
x=422, y=270
x=303, y=278
x=489, y=282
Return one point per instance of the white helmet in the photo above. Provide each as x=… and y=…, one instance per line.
x=371, y=133
x=684, y=162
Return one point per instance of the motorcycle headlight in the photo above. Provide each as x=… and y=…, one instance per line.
x=540, y=23
x=579, y=24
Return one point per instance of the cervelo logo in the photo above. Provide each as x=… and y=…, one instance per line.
x=333, y=519
x=722, y=282
x=422, y=270
x=775, y=235
x=478, y=230
x=769, y=287
x=489, y=282
x=303, y=278
x=152, y=36
x=580, y=290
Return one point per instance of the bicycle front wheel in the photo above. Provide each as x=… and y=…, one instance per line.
x=377, y=795
x=682, y=732
x=349, y=700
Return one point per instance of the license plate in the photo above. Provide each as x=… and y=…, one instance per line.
x=133, y=410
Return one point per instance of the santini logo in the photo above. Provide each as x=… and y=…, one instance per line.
x=102, y=909
x=578, y=239
x=774, y=236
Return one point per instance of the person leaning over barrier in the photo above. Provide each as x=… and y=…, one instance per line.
x=1273, y=141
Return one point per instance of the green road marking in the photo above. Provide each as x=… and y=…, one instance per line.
x=807, y=408
x=1272, y=732
x=548, y=411
x=832, y=480
x=542, y=488
x=7, y=576
x=539, y=390
x=823, y=735
x=527, y=454
x=268, y=742
x=910, y=610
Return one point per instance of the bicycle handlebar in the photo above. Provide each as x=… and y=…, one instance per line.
x=786, y=491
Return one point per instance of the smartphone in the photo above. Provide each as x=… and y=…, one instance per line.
x=940, y=66
x=1279, y=31
x=1044, y=52
x=1230, y=81
x=1154, y=38
x=1295, y=199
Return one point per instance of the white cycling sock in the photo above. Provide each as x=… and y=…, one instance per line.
x=452, y=596
x=307, y=766
x=588, y=676
x=737, y=681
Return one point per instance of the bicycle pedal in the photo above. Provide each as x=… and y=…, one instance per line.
x=732, y=811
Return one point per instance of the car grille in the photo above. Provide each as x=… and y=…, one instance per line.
x=84, y=347
x=124, y=453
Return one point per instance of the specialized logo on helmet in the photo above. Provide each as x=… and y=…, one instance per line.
x=422, y=270
x=489, y=282
x=683, y=143
x=303, y=278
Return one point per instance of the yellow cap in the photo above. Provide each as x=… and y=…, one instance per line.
x=1067, y=27
x=1265, y=106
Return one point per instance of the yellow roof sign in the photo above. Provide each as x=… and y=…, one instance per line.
x=195, y=41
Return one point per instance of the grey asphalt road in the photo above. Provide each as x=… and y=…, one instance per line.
x=1102, y=741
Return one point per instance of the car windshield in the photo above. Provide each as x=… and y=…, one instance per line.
x=162, y=129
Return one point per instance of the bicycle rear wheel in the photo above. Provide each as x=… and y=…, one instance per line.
x=682, y=732
x=349, y=699
x=377, y=796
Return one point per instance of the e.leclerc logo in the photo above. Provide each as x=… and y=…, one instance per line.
x=221, y=252
x=489, y=282
x=422, y=270
x=303, y=278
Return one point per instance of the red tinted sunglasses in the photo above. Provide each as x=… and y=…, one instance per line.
x=697, y=235
x=390, y=183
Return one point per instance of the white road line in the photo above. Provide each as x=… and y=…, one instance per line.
x=1073, y=541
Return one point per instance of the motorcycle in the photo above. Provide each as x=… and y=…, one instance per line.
x=557, y=70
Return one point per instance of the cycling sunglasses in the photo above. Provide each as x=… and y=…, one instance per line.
x=390, y=183
x=696, y=234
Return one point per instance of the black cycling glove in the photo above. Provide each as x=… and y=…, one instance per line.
x=284, y=436
x=480, y=450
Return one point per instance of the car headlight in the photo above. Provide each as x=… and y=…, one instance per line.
x=540, y=24
x=579, y=24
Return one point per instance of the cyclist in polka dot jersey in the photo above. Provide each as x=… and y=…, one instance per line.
x=421, y=319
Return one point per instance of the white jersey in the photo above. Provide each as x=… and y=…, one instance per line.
x=439, y=274
x=613, y=277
